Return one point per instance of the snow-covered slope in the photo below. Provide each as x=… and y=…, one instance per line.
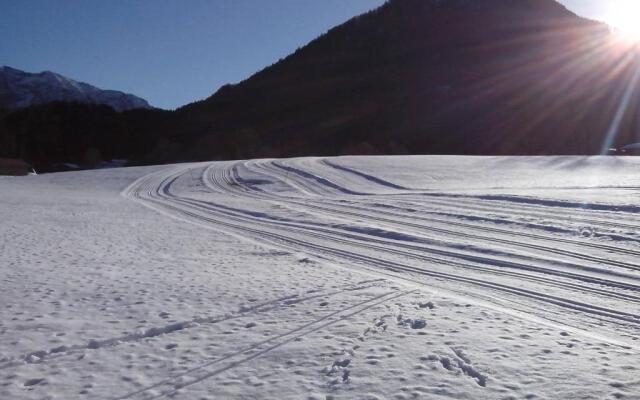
x=313, y=278
x=22, y=89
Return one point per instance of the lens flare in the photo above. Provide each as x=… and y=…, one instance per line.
x=624, y=17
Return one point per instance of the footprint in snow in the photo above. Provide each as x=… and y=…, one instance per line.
x=428, y=305
x=417, y=323
x=34, y=381
x=339, y=367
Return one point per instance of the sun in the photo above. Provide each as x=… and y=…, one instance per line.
x=624, y=17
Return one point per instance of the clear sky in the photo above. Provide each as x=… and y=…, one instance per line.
x=171, y=52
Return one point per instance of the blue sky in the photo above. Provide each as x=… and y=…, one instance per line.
x=171, y=52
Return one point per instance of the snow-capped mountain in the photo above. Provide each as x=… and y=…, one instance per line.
x=23, y=89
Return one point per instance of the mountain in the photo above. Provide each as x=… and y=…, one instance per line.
x=431, y=76
x=516, y=77
x=19, y=89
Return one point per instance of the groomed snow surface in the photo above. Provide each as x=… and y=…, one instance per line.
x=340, y=278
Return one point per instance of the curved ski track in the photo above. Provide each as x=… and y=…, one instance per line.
x=354, y=220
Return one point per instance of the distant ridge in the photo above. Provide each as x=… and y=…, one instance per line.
x=19, y=89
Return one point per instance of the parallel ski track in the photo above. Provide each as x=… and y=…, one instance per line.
x=149, y=190
x=557, y=209
x=170, y=386
x=482, y=260
x=330, y=207
x=577, y=216
x=547, y=216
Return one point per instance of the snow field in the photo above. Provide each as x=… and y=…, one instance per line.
x=355, y=277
